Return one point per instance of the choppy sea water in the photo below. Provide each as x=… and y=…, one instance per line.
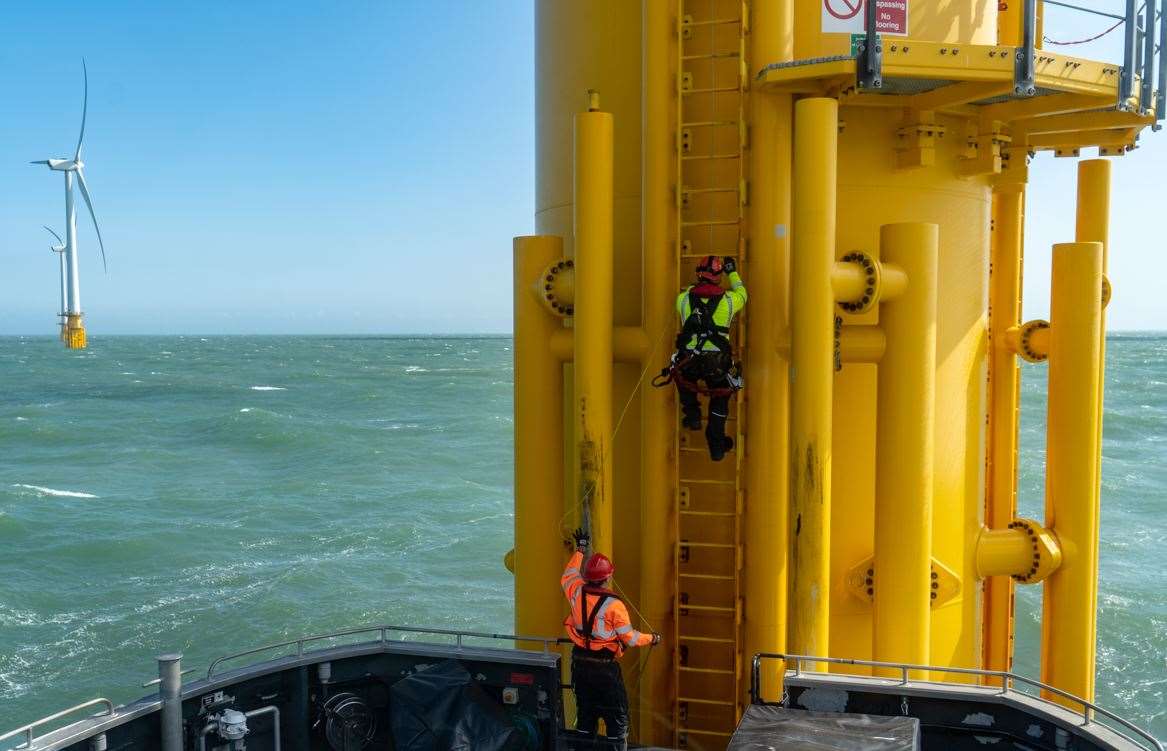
x=208, y=495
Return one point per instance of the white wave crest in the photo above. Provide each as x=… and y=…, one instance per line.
x=268, y=388
x=42, y=491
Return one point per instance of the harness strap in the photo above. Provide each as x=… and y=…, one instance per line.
x=590, y=615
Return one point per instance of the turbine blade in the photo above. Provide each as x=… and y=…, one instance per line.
x=84, y=109
x=54, y=234
x=40, y=161
x=89, y=203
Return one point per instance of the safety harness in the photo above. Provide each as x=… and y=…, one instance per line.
x=590, y=616
x=701, y=325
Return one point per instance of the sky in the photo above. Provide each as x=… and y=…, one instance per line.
x=348, y=167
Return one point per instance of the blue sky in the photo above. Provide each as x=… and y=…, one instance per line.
x=343, y=167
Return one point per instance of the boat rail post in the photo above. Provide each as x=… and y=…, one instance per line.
x=170, y=692
x=905, y=427
x=812, y=369
x=1069, y=608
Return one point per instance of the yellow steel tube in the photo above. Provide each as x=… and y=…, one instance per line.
x=1069, y=616
x=904, y=450
x=848, y=281
x=629, y=344
x=767, y=368
x=816, y=123
x=658, y=410
x=1004, y=390
x=861, y=343
x=593, y=320
x=538, y=553
x=1003, y=552
x=1093, y=225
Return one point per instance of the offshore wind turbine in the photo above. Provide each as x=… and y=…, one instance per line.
x=74, y=326
x=59, y=249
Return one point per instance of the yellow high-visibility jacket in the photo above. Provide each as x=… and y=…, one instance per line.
x=732, y=301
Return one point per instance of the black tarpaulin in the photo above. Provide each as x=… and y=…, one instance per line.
x=441, y=708
x=772, y=728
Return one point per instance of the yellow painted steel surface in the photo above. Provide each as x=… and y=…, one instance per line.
x=1069, y=612
x=1004, y=390
x=812, y=371
x=592, y=366
x=826, y=528
x=74, y=332
x=905, y=425
x=538, y=441
x=768, y=367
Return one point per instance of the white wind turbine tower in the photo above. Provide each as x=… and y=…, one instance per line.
x=74, y=333
x=59, y=249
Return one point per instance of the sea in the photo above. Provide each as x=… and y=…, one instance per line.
x=211, y=494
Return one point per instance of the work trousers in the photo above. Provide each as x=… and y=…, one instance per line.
x=599, y=692
x=711, y=368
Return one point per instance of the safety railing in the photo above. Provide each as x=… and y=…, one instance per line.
x=1144, y=24
x=383, y=632
x=29, y=730
x=1088, y=708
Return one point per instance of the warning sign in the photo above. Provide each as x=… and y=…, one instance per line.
x=849, y=16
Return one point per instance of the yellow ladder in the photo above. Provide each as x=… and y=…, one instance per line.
x=711, y=199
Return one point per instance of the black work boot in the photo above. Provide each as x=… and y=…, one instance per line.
x=718, y=446
x=692, y=420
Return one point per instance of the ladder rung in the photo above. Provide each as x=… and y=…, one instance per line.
x=711, y=90
x=714, y=22
x=712, y=56
x=734, y=189
x=710, y=124
x=694, y=731
x=695, y=481
x=708, y=577
x=711, y=223
x=687, y=543
x=708, y=639
x=710, y=671
x=703, y=255
x=695, y=157
x=708, y=513
x=707, y=608
x=717, y=702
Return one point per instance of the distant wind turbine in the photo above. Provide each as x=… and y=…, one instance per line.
x=59, y=249
x=74, y=334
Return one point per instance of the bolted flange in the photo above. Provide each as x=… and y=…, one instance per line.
x=1026, y=345
x=556, y=288
x=873, y=281
x=1047, y=554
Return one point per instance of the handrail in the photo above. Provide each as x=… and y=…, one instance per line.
x=29, y=729
x=384, y=631
x=1089, y=708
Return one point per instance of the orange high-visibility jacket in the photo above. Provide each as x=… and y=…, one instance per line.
x=611, y=628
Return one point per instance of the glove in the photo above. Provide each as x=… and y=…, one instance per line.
x=728, y=265
x=655, y=639
x=581, y=539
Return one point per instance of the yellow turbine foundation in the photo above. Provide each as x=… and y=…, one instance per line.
x=816, y=123
x=1069, y=614
x=904, y=451
x=74, y=333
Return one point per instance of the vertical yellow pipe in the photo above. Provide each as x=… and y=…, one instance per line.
x=816, y=124
x=538, y=445
x=593, y=318
x=767, y=369
x=905, y=426
x=1093, y=225
x=1004, y=390
x=1069, y=617
x=658, y=410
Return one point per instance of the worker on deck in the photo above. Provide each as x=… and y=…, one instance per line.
x=600, y=629
x=704, y=354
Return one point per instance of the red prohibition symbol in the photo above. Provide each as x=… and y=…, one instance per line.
x=843, y=9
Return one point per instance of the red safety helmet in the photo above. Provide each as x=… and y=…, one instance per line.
x=709, y=270
x=597, y=568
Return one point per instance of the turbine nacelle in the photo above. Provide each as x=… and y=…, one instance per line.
x=62, y=165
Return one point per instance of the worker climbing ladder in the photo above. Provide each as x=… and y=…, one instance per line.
x=711, y=196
